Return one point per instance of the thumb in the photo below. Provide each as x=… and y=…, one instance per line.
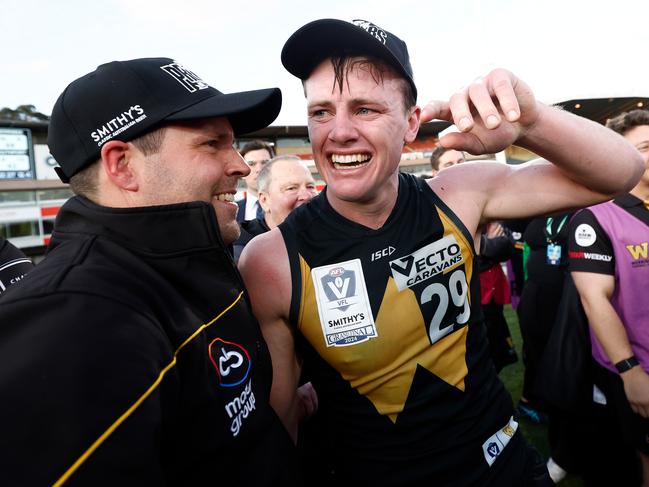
x=467, y=142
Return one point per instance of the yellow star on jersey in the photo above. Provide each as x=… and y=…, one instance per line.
x=382, y=368
x=389, y=384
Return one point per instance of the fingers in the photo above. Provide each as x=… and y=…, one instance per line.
x=435, y=110
x=503, y=85
x=467, y=142
x=491, y=98
x=308, y=399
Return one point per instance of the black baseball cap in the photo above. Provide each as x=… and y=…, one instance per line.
x=324, y=38
x=122, y=100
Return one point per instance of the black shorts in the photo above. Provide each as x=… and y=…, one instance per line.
x=523, y=466
x=634, y=428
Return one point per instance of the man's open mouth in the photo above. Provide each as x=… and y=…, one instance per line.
x=348, y=161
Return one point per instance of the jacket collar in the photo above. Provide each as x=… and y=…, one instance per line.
x=166, y=229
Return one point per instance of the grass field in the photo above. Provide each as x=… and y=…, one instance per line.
x=512, y=376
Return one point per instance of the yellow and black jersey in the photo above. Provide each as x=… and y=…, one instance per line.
x=391, y=334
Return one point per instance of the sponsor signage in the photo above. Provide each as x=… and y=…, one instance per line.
x=16, y=153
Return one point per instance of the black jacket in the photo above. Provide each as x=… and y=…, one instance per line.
x=136, y=320
x=14, y=265
x=249, y=230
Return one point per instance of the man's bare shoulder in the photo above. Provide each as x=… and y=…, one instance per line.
x=265, y=244
x=265, y=269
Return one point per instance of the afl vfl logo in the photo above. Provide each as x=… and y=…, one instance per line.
x=231, y=361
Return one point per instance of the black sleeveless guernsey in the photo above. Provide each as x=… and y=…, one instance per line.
x=391, y=334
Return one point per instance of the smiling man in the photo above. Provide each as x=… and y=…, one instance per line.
x=374, y=280
x=130, y=354
x=284, y=183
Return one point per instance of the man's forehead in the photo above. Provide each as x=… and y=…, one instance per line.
x=322, y=81
x=257, y=155
x=289, y=168
x=215, y=126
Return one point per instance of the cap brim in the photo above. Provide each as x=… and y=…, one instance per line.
x=320, y=39
x=247, y=111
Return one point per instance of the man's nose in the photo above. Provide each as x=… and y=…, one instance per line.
x=343, y=129
x=236, y=165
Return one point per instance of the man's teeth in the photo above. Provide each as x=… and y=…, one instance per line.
x=225, y=197
x=349, y=160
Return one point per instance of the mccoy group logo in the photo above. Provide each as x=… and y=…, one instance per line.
x=585, y=235
x=231, y=361
x=427, y=262
x=185, y=77
x=343, y=304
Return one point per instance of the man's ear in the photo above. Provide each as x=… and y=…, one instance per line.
x=263, y=201
x=116, y=161
x=413, y=124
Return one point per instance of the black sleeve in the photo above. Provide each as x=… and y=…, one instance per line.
x=498, y=249
x=14, y=265
x=70, y=367
x=590, y=248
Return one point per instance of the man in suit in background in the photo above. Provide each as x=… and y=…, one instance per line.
x=256, y=153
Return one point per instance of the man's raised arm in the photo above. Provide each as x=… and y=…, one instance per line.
x=590, y=163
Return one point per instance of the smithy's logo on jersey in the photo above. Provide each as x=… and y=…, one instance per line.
x=231, y=361
x=426, y=262
x=339, y=285
x=343, y=304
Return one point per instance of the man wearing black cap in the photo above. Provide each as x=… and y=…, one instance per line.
x=375, y=281
x=130, y=355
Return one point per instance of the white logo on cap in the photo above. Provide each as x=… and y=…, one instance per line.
x=372, y=29
x=585, y=235
x=115, y=126
x=185, y=77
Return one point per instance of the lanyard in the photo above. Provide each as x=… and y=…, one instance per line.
x=548, y=228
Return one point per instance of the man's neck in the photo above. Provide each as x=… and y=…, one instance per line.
x=372, y=214
x=252, y=192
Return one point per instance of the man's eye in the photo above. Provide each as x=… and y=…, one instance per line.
x=364, y=111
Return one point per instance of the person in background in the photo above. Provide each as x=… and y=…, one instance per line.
x=545, y=267
x=609, y=263
x=443, y=158
x=14, y=264
x=496, y=246
x=284, y=183
x=256, y=153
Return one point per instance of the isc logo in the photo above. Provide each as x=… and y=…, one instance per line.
x=382, y=253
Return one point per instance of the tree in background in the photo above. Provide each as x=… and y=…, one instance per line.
x=23, y=113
